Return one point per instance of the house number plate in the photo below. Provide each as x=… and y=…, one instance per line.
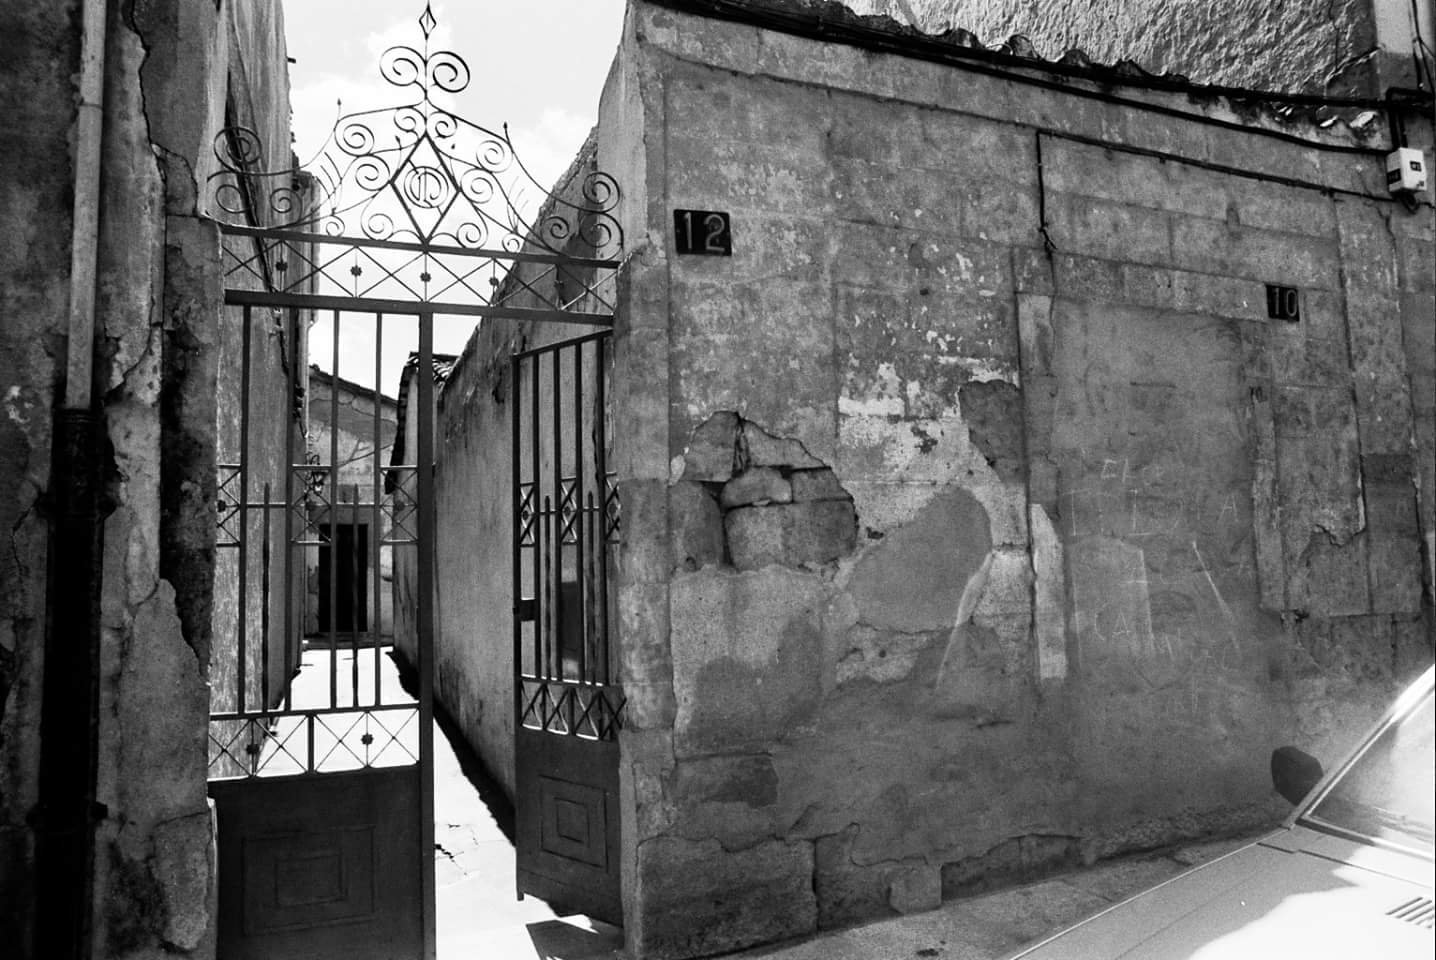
x=703, y=231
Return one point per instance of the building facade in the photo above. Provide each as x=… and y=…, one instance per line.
x=106, y=625
x=983, y=511
x=353, y=426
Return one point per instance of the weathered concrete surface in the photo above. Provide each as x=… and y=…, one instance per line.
x=36, y=95
x=1113, y=534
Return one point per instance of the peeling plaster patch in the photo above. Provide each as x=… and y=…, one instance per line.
x=183, y=868
x=16, y=407
x=986, y=370
x=1110, y=596
x=880, y=656
x=911, y=581
x=1047, y=595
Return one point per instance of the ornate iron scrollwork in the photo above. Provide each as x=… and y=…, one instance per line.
x=417, y=173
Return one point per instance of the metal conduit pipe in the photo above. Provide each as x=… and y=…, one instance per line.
x=64, y=819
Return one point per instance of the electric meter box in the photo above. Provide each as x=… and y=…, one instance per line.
x=1405, y=171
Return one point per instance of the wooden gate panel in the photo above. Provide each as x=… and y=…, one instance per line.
x=320, y=867
x=568, y=823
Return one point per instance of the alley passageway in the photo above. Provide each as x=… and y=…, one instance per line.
x=478, y=916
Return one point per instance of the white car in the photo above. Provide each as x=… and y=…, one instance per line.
x=1348, y=875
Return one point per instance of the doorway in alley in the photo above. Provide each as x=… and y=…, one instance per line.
x=343, y=578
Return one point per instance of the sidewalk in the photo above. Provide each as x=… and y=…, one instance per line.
x=993, y=925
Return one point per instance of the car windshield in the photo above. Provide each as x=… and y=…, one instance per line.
x=1389, y=793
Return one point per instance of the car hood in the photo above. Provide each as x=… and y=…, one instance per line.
x=1294, y=894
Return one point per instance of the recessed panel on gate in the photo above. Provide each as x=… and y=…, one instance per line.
x=324, y=868
x=308, y=878
x=567, y=819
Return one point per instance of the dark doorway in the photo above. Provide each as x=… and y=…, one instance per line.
x=343, y=578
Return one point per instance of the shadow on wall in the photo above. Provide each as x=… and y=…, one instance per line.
x=484, y=783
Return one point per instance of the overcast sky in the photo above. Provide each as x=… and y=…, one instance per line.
x=537, y=65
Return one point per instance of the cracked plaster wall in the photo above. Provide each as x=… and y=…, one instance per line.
x=1071, y=603
x=158, y=310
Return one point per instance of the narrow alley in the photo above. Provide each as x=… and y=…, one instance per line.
x=478, y=915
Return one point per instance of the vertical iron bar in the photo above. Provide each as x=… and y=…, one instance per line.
x=426, y=620
x=516, y=548
x=293, y=412
x=556, y=640
x=355, y=581
x=242, y=639
x=548, y=590
x=334, y=499
x=309, y=742
x=579, y=558
x=600, y=457
x=264, y=607
x=376, y=524
x=540, y=544
x=591, y=627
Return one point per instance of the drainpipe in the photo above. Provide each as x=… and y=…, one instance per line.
x=65, y=817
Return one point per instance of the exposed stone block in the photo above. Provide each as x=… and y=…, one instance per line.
x=821, y=484
x=695, y=526
x=820, y=531
x=756, y=486
x=1087, y=278
x=694, y=898
x=746, y=779
x=710, y=454
x=745, y=650
x=755, y=536
x=915, y=889
x=816, y=531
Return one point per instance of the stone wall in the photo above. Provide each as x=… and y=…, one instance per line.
x=978, y=521
x=158, y=315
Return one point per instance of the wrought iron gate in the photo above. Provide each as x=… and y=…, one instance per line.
x=567, y=705
x=321, y=753
x=320, y=758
